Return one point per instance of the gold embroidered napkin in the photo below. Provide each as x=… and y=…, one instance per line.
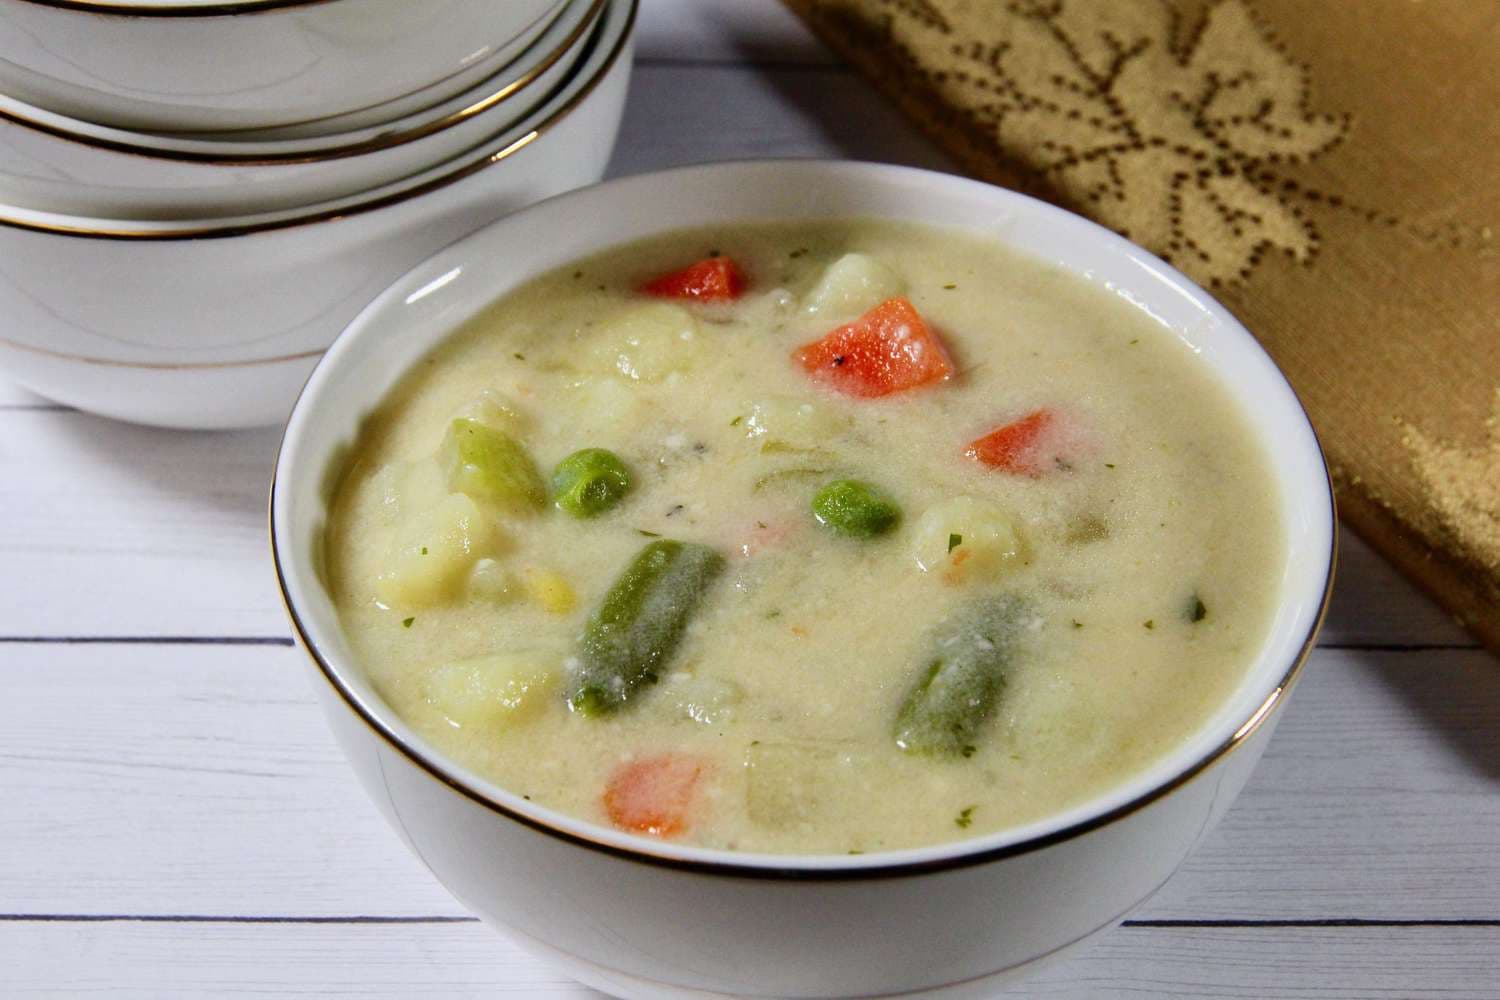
x=1330, y=169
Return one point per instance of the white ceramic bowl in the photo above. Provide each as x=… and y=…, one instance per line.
x=217, y=324
x=56, y=164
x=645, y=918
x=220, y=64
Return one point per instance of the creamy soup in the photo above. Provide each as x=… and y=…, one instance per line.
x=807, y=538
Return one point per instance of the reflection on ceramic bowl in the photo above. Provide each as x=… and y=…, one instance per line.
x=216, y=324
x=56, y=164
x=646, y=918
x=210, y=65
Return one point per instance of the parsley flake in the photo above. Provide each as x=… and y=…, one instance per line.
x=965, y=817
x=406, y=622
x=954, y=541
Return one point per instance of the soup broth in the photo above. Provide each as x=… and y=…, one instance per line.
x=965, y=540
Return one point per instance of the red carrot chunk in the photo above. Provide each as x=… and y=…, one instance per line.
x=713, y=279
x=888, y=349
x=1037, y=443
x=653, y=795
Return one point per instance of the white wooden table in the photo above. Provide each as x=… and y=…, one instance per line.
x=176, y=821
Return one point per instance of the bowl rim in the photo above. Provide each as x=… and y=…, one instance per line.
x=334, y=209
x=117, y=140
x=220, y=8
x=804, y=867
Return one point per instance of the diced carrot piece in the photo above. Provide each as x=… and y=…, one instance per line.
x=888, y=349
x=713, y=279
x=1030, y=446
x=654, y=794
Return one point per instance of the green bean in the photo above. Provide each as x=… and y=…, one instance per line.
x=963, y=678
x=855, y=508
x=489, y=465
x=639, y=624
x=589, y=482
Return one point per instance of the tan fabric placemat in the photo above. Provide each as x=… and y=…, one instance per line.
x=1329, y=168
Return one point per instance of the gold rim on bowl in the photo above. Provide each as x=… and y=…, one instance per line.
x=223, y=9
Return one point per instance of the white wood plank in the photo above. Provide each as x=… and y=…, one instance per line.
x=200, y=780
x=185, y=779
x=726, y=31
x=109, y=529
x=127, y=960
x=693, y=114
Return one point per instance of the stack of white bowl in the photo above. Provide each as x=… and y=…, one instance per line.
x=197, y=195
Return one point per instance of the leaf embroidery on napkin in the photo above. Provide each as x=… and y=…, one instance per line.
x=1176, y=142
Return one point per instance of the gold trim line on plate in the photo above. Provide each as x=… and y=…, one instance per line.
x=385, y=140
x=109, y=9
x=644, y=854
x=328, y=215
x=160, y=365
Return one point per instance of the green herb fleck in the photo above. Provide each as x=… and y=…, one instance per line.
x=406, y=622
x=1109, y=465
x=773, y=613
x=799, y=252
x=1196, y=610
x=1134, y=341
x=519, y=356
x=954, y=541
x=577, y=275
x=648, y=534
x=1077, y=623
x=736, y=421
x=853, y=851
x=965, y=817
x=949, y=288
x=968, y=750
x=424, y=550
x=1150, y=623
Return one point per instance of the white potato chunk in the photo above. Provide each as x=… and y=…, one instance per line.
x=967, y=539
x=851, y=285
x=501, y=689
x=708, y=700
x=647, y=343
x=781, y=423
x=601, y=404
x=787, y=782
x=409, y=486
x=495, y=409
x=434, y=550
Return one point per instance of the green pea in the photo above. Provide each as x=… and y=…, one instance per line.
x=589, y=482
x=855, y=508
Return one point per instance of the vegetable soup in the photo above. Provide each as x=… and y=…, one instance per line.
x=816, y=537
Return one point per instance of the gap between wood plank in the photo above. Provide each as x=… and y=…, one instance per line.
x=1160, y=924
